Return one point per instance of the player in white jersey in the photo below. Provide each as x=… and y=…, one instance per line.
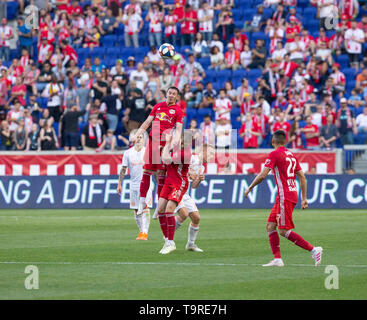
x=187, y=207
x=133, y=159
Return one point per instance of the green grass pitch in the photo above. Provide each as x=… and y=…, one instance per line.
x=93, y=254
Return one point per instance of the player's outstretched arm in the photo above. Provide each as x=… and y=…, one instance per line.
x=259, y=178
x=142, y=128
x=303, y=182
x=121, y=177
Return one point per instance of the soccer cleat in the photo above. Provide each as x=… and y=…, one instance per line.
x=169, y=248
x=164, y=246
x=141, y=236
x=274, y=263
x=316, y=255
x=145, y=236
x=193, y=247
x=155, y=215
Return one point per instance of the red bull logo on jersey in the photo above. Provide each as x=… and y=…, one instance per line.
x=162, y=116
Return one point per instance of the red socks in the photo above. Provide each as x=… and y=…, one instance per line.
x=163, y=222
x=298, y=240
x=160, y=178
x=274, y=244
x=171, y=225
x=145, y=184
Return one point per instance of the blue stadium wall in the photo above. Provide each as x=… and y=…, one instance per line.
x=219, y=191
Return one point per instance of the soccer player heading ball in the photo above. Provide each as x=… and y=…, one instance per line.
x=285, y=167
x=164, y=117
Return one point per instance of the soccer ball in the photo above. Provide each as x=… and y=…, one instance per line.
x=167, y=51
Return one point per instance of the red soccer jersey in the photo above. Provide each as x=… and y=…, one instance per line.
x=178, y=169
x=165, y=117
x=312, y=142
x=284, y=165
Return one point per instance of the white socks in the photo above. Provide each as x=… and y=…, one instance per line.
x=139, y=221
x=146, y=220
x=193, y=232
x=178, y=224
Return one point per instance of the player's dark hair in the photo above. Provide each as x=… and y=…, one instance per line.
x=174, y=88
x=279, y=137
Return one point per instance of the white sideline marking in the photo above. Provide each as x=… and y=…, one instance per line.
x=168, y=263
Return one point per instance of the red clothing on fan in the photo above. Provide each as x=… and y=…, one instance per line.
x=284, y=165
x=188, y=27
x=250, y=140
x=285, y=126
x=239, y=44
x=312, y=142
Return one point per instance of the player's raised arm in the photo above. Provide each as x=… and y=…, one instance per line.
x=142, y=128
x=259, y=178
x=303, y=182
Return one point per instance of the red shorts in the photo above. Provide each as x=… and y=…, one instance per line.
x=173, y=193
x=281, y=214
x=152, y=158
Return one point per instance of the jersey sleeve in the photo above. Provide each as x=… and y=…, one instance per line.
x=125, y=159
x=154, y=110
x=180, y=115
x=270, y=161
x=298, y=166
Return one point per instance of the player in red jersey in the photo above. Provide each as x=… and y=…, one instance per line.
x=164, y=117
x=174, y=188
x=285, y=167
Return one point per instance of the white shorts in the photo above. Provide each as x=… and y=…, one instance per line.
x=135, y=197
x=188, y=203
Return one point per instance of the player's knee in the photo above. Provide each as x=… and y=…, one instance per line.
x=270, y=227
x=195, y=218
x=282, y=232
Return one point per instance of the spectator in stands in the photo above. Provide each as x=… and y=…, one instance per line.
x=6, y=34
x=361, y=79
x=246, y=56
x=239, y=40
x=246, y=106
x=108, y=23
x=188, y=25
x=24, y=36
x=5, y=136
x=324, y=53
x=170, y=24
x=196, y=133
x=180, y=79
x=231, y=92
x=207, y=128
x=312, y=134
x=155, y=17
x=222, y=106
x=345, y=121
x=205, y=19
x=217, y=42
x=133, y=24
x=111, y=104
x=139, y=76
x=361, y=121
x=354, y=38
x=355, y=99
x=191, y=65
x=242, y=89
x=257, y=22
x=250, y=132
x=33, y=142
x=93, y=135
x=110, y=140
x=338, y=77
x=258, y=56
x=135, y=113
x=19, y=91
x=166, y=79
x=223, y=130
x=133, y=5
x=48, y=137
x=53, y=91
x=295, y=135
x=69, y=127
x=199, y=46
x=231, y=59
x=328, y=134
x=209, y=96
x=282, y=124
x=225, y=25
x=216, y=58
x=276, y=33
x=280, y=102
x=325, y=11
x=20, y=136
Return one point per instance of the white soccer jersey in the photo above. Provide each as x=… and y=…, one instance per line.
x=134, y=160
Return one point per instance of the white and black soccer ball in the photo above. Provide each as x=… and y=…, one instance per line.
x=167, y=51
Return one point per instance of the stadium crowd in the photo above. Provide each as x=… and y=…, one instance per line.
x=89, y=72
